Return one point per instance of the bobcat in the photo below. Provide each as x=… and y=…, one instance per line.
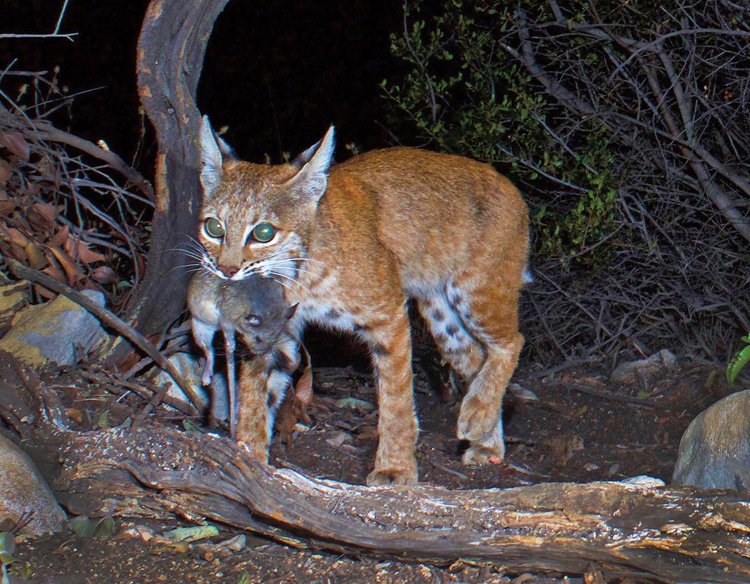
x=353, y=241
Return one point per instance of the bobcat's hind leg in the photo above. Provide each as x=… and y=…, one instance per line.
x=456, y=345
x=491, y=315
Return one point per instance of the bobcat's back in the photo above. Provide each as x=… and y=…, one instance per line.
x=434, y=212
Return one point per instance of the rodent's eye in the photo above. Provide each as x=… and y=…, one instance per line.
x=253, y=320
x=263, y=232
x=213, y=228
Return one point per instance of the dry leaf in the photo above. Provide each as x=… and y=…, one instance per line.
x=5, y=172
x=17, y=237
x=17, y=252
x=59, y=238
x=339, y=438
x=55, y=272
x=72, y=271
x=44, y=293
x=16, y=144
x=367, y=433
x=49, y=212
x=75, y=414
x=36, y=257
x=303, y=388
x=80, y=250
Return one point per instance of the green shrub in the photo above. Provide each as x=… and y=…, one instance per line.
x=462, y=91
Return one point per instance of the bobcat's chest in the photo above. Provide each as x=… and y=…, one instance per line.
x=327, y=316
x=323, y=302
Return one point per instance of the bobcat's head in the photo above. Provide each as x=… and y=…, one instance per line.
x=255, y=218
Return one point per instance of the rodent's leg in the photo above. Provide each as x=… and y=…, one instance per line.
x=203, y=333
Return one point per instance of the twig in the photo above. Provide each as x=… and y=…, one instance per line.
x=107, y=318
x=608, y=395
x=48, y=132
x=153, y=403
x=54, y=35
x=143, y=391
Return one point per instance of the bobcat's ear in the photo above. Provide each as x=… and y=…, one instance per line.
x=213, y=152
x=312, y=177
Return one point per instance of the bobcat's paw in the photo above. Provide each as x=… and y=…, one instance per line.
x=478, y=455
x=476, y=420
x=391, y=476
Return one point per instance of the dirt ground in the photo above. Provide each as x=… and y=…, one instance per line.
x=568, y=426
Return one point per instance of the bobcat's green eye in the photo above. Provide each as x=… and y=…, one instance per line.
x=263, y=232
x=214, y=228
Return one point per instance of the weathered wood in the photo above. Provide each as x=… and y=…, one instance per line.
x=171, y=49
x=664, y=534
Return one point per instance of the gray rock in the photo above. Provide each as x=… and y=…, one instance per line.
x=714, y=452
x=190, y=370
x=24, y=491
x=59, y=331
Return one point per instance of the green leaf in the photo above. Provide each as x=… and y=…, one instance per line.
x=738, y=362
x=103, y=421
x=190, y=534
x=7, y=543
x=105, y=527
x=85, y=527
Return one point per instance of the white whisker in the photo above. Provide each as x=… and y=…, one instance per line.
x=282, y=284
x=279, y=274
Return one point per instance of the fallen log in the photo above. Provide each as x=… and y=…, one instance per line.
x=660, y=534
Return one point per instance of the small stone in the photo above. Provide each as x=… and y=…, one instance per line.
x=714, y=451
x=522, y=393
x=643, y=481
x=339, y=438
x=190, y=370
x=25, y=491
x=59, y=331
x=646, y=371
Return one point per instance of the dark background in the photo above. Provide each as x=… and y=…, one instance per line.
x=276, y=73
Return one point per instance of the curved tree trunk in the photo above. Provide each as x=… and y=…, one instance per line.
x=171, y=49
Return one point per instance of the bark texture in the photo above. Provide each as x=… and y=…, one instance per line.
x=171, y=49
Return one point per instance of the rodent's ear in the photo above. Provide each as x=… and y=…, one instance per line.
x=289, y=312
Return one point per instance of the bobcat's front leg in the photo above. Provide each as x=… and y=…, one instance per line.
x=395, y=461
x=252, y=407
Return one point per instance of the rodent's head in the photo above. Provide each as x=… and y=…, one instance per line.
x=257, y=310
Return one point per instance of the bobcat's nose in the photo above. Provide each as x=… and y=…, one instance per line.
x=228, y=271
